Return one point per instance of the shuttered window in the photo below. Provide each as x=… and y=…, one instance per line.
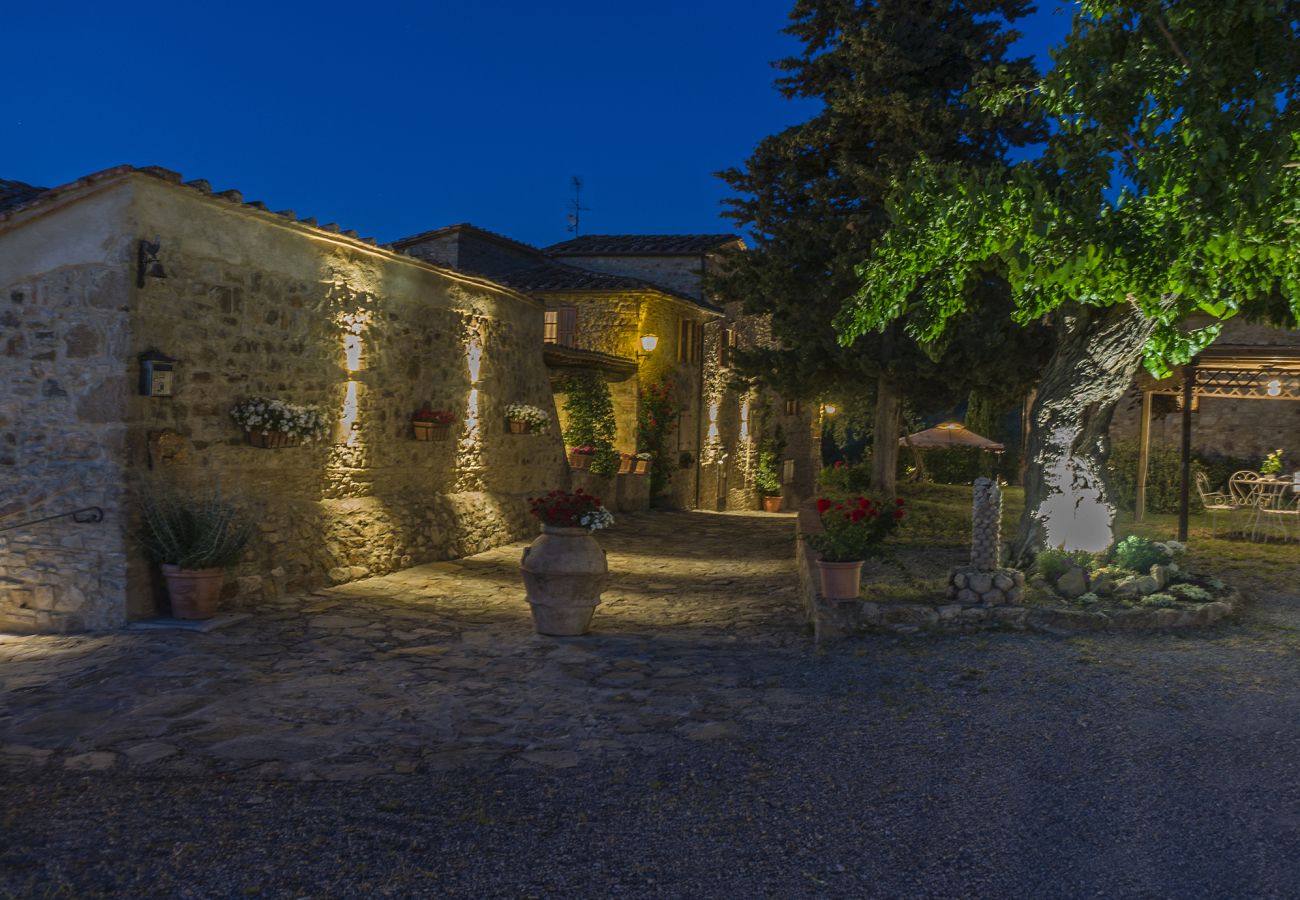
x=690, y=338
x=727, y=347
x=560, y=326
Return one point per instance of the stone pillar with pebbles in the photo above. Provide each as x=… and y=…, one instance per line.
x=983, y=582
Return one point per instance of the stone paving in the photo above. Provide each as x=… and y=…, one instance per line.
x=432, y=668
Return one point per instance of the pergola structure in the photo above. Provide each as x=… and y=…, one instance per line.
x=1230, y=371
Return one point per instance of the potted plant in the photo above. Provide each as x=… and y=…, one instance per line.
x=643, y=461
x=271, y=423
x=852, y=532
x=1272, y=464
x=768, y=482
x=580, y=457
x=194, y=539
x=429, y=424
x=524, y=418
x=565, y=568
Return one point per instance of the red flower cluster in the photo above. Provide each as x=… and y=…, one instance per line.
x=853, y=529
x=562, y=509
x=427, y=413
x=584, y=450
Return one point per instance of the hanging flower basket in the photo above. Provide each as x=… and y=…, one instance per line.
x=525, y=419
x=430, y=431
x=580, y=457
x=271, y=423
x=518, y=426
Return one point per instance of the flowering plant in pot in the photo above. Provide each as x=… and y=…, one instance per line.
x=194, y=539
x=580, y=456
x=272, y=423
x=565, y=568
x=852, y=532
x=429, y=424
x=525, y=418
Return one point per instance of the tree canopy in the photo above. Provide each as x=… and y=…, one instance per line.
x=1165, y=183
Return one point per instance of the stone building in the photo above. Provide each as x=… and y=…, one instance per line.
x=1248, y=427
x=604, y=294
x=248, y=302
x=736, y=422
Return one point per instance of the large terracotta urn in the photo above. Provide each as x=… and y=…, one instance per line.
x=193, y=592
x=564, y=572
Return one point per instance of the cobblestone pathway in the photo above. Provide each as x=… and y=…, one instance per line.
x=432, y=668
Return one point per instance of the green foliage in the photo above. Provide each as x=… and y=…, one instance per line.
x=766, y=477
x=1139, y=553
x=855, y=529
x=894, y=80
x=1160, y=600
x=1164, y=477
x=656, y=414
x=1164, y=184
x=845, y=479
x=1219, y=468
x=954, y=465
x=196, y=529
x=1272, y=463
x=1052, y=563
x=1190, y=593
x=590, y=411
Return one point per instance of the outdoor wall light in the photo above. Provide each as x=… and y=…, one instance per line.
x=1274, y=388
x=648, y=343
x=830, y=409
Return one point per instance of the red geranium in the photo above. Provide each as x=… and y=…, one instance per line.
x=852, y=531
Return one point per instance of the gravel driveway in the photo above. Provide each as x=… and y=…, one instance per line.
x=1000, y=764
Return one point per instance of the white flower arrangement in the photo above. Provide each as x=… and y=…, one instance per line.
x=597, y=519
x=271, y=416
x=536, y=418
x=646, y=456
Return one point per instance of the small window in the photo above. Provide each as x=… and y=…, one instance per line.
x=727, y=347
x=689, y=340
x=793, y=408
x=559, y=326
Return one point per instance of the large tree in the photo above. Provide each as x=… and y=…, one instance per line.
x=1164, y=190
x=894, y=78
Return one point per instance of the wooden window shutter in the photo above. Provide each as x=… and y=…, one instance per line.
x=550, y=326
x=697, y=345
x=567, y=326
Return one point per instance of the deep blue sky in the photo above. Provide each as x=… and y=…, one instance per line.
x=395, y=118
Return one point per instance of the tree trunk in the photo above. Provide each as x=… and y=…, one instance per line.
x=884, y=437
x=1067, y=491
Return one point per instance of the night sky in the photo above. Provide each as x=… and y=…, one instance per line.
x=396, y=118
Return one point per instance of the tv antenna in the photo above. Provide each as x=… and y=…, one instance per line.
x=575, y=217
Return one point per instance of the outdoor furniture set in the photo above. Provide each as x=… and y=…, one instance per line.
x=1256, y=505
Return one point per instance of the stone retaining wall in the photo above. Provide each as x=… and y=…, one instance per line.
x=833, y=620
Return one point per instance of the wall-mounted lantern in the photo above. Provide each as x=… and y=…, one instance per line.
x=157, y=374
x=648, y=344
x=829, y=408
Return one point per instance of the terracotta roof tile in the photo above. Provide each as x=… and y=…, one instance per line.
x=557, y=277
x=15, y=193
x=640, y=244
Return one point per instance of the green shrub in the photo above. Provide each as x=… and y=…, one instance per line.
x=1190, y=593
x=1219, y=468
x=590, y=411
x=766, y=478
x=1164, y=477
x=1139, y=554
x=955, y=465
x=1052, y=564
x=840, y=478
x=1158, y=600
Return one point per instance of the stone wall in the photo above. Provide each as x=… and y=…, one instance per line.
x=254, y=305
x=1244, y=428
x=63, y=349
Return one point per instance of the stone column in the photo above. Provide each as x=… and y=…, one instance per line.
x=986, y=525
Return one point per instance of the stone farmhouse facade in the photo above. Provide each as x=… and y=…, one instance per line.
x=251, y=302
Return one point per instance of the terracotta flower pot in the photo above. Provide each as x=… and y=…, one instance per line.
x=564, y=573
x=579, y=460
x=772, y=504
x=430, y=431
x=642, y=467
x=626, y=464
x=193, y=592
x=273, y=440
x=840, y=580
x=518, y=426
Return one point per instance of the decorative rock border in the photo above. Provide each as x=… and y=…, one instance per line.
x=833, y=620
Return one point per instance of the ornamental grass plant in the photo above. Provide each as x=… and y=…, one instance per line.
x=193, y=529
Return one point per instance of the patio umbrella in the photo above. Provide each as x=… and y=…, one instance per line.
x=950, y=434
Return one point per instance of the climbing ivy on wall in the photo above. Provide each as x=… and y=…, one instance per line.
x=656, y=414
x=590, y=411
